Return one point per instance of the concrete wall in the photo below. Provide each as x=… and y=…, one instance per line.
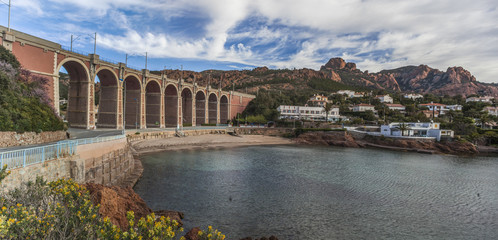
x=10, y=139
x=107, y=163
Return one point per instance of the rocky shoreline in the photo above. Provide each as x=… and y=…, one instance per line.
x=347, y=139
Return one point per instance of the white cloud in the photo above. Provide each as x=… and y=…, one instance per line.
x=376, y=34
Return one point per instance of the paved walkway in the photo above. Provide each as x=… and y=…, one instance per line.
x=77, y=133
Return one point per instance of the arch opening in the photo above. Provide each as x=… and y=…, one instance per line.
x=153, y=104
x=224, y=109
x=170, y=106
x=186, y=107
x=78, y=89
x=108, y=99
x=200, y=108
x=213, y=109
x=132, y=102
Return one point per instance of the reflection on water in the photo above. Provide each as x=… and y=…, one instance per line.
x=326, y=193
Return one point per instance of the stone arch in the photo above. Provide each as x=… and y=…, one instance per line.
x=153, y=104
x=224, y=106
x=200, y=108
x=213, y=108
x=132, y=101
x=107, y=115
x=171, y=105
x=79, y=90
x=187, y=106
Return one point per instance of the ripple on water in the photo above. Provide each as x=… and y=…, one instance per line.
x=326, y=193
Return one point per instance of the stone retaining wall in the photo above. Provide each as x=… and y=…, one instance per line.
x=169, y=134
x=264, y=131
x=49, y=170
x=10, y=139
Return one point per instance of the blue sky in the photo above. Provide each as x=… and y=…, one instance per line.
x=243, y=34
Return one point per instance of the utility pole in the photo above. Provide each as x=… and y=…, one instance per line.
x=145, y=60
x=8, y=28
x=95, y=44
x=126, y=59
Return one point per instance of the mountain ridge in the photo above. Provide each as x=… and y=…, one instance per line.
x=339, y=74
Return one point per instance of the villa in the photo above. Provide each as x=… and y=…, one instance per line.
x=396, y=107
x=384, y=98
x=308, y=113
x=485, y=99
x=491, y=110
x=363, y=107
x=318, y=100
x=413, y=96
x=428, y=130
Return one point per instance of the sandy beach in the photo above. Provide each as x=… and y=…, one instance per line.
x=210, y=141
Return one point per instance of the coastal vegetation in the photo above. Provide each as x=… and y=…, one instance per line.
x=63, y=210
x=24, y=101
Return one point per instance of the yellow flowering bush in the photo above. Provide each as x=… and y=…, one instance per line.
x=62, y=210
x=211, y=234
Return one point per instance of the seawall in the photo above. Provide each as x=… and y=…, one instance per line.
x=107, y=163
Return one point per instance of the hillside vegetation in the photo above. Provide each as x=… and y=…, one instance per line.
x=24, y=102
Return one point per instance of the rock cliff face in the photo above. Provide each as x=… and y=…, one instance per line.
x=419, y=79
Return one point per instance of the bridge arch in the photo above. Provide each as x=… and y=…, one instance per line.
x=224, y=105
x=78, y=109
x=187, y=106
x=171, y=105
x=213, y=108
x=200, y=108
x=132, y=101
x=107, y=115
x=153, y=104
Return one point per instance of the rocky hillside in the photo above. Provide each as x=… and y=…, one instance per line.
x=337, y=74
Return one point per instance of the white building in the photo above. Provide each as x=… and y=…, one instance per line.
x=441, y=109
x=363, y=107
x=455, y=107
x=307, y=113
x=396, y=107
x=486, y=99
x=348, y=93
x=384, y=98
x=413, y=96
x=492, y=110
x=414, y=130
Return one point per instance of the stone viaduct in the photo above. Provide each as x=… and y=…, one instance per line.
x=129, y=98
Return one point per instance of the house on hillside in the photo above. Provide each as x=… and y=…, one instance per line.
x=491, y=110
x=414, y=130
x=318, y=100
x=362, y=107
x=348, y=93
x=384, y=98
x=413, y=96
x=485, y=99
x=396, y=107
x=455, y=107
x=436, y=107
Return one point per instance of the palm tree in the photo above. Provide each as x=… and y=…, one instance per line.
x=327, y=109
x=483, y=119
x=403, y=127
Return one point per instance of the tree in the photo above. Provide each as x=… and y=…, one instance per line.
x=327, y=109
x=483, y=119
x=403, y=127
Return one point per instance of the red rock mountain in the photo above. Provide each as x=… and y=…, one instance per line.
x=338, y=74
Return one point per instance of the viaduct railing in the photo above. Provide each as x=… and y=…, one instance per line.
x=29, y=156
